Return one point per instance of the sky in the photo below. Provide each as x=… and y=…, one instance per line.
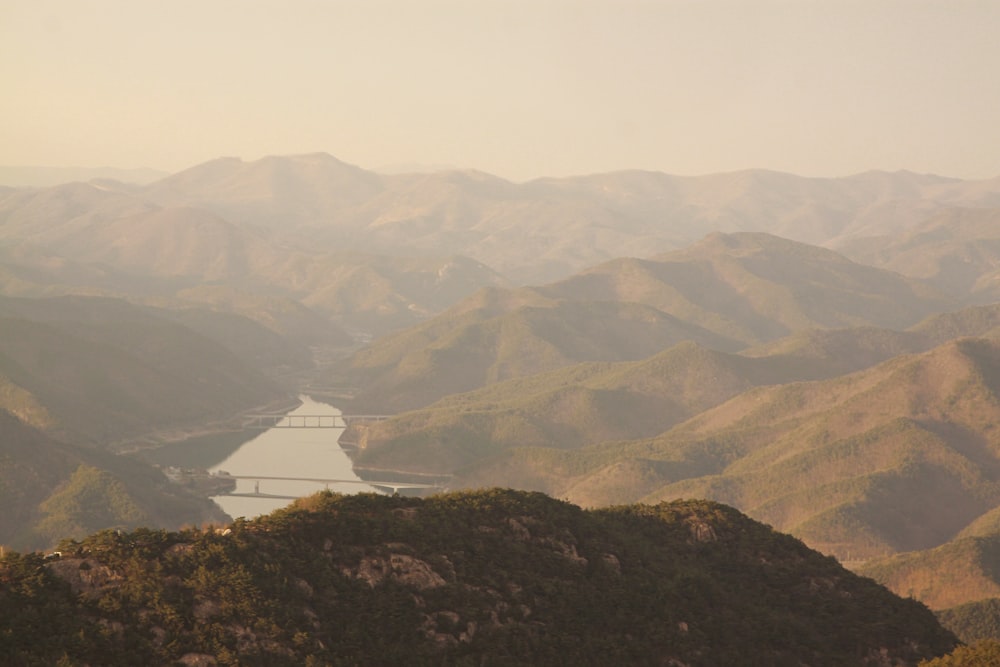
x=517, y=88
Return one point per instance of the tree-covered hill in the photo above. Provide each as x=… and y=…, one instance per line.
x=494, y=336
x=50, y=490
x=256, y=346
x=891, y=458
x=957, y=250
x=727, y=292
x=962, y=571
x=586, y=404
x=984, y=653
x=100, y=370
x=894, y=458
x=973, y=621
x=491, y=577
x=757, y=287
x=567, y=408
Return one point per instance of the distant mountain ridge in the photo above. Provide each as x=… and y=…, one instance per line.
x=41, y=177
x=83, y=377
x=823, y=434
x=81, y=237
x=99, y=370
x=51, y=490
x=958, y=572
x=728, y=292
x=248, y=223
x=755, y=337
x=956, y=250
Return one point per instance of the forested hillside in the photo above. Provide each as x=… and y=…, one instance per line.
x=82, y=377
x=491, y=577
x=682, y=339
x=50, y=490
x=728, y=292
x=890, y=458
x=99, y=370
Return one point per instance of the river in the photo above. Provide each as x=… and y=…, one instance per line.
x=288, y=452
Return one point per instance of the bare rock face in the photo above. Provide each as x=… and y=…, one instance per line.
x=206, y=608
x=180, y=549
x=568, y=551
x=702, y=532
x=520, y=530
x=398, y=567
x=445, y=628
x=305, y=587
x=85, y=575
x=612, y=562
x=415, y=572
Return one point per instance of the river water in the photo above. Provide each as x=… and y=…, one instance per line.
x=289, y=452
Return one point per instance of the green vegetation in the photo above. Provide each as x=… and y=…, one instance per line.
x=200, y=451
x=254, y=344
x=973, y=621
x=471, y=347
x=90, y=500
x=955, y=250
x=23, y=405
x=51, y=490
x=575, y=406
x=102, y=370
x=727, y=292
x=957, y=572
x=490, y=577
x=895, y=457
x=983, y=654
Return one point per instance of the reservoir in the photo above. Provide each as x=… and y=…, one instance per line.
x=289, y=452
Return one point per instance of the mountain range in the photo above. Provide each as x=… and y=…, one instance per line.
x=52, y=490
x=319, y=231
x=832, y=435
x=13, y=176
x=85, y=378
x=819, y=353
x=101, y=370
x=728, y=292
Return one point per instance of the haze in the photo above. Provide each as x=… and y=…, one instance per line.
x=519, y=89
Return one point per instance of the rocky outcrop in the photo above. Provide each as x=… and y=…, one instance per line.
x=398, y=567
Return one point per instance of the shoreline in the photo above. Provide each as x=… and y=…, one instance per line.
x=217, y=427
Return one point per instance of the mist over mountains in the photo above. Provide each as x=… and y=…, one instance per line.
x=40, y=177
x=288, y=227
x=820, y=354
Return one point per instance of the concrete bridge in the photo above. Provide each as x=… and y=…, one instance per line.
x=380, y=484
x=264, y=422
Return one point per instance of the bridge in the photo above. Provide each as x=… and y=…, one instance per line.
x=268, y=421
x=378, y=484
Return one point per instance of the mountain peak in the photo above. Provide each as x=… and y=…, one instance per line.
x=462, y=577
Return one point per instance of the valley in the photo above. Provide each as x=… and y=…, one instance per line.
x=618, y=340
x=500, y=334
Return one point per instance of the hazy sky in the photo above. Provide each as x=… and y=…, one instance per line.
x=517, y=88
